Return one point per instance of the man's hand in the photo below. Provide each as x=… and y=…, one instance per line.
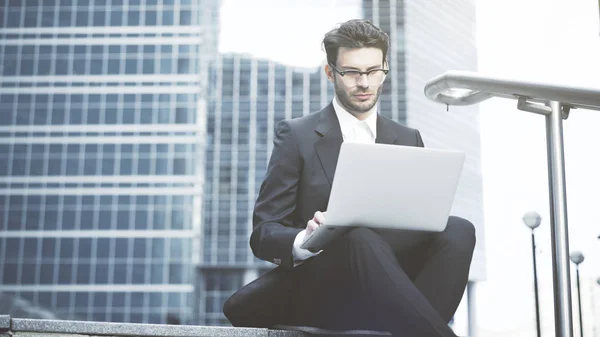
x=316, y=221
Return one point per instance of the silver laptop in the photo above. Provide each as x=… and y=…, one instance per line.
x=385, y=186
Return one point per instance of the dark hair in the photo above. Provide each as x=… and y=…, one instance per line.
x=355, y=33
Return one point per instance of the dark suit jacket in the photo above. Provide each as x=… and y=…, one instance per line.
x=299, y=177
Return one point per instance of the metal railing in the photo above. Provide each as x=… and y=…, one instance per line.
x=554, y=102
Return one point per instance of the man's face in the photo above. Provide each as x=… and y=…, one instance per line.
x=360, y=96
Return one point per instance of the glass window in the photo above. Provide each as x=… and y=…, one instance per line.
x=150, y=18
x=116, y=18
x=133, y=17
x=185, y=17
x=81, y=18
x=130, y=66
x=96, y=67
x=14, y=21
x=64, y=18
x=99, y=18
x=31, y=16
x=113, y=66
x=167, y=18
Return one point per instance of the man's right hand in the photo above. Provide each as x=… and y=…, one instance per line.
x=315, y=222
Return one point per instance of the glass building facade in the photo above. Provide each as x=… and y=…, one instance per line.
x=102, y=135
x=247, y=97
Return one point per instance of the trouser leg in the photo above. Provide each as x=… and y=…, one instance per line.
x=356, y=282
x=439, y=267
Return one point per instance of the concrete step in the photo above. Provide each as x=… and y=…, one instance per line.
x=62, y=328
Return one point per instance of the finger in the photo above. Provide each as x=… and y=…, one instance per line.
x=311, y=225
x=319, y=217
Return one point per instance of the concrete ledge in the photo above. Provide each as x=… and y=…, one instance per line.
x=4, y=323
x=34, y=326
x=59, y=328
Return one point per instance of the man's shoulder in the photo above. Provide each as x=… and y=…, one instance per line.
x=398, y=127
x=302, y=122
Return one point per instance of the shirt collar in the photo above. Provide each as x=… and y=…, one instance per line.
x=347, y=120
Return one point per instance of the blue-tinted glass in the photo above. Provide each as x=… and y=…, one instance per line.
x=36, y=167
x=116, y=18
x=64, y=18
x=122, y=219
x=125, y=168
x=185, y=17
x=93, y=116
x=101, y=275
x=48, y=247
x=51, y=220
x=150, y=18
x=78, y=67
x=148, y=66
x=82, y=18
x=113, y=66
x=167, y=18
x=66, y=248
x=108, y=166
x=30, y=250
x=130, y=66
x=18, y=167
x=110, y=116
x=179, y=166
x=104, y=219
x=62, y=67
x=9, y=68
x=14, y=20
x=48, y=18
x=89, y=166
x=54, y=166
x=12, y=248
x=141, y=219
x=103, y=248
x=64, y=277
x=143, y=166
x=166, y=66
x=27, y=67
x=31, y=15
x=47, y=274
x=99, y=18
x=83, y=273
x=133, y=17
x=96, y=67
x=87, y=220
x=10, y=273
x=183, y=65
x=44, y=67
x=162, y=166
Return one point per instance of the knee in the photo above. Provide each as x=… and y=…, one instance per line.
x=361, y=239
x=460, y=234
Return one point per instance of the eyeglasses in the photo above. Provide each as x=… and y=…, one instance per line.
x=351, y=77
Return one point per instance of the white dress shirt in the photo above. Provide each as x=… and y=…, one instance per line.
x=353, y=130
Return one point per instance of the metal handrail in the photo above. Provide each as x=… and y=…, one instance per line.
x=466, y=88
x=554, y=102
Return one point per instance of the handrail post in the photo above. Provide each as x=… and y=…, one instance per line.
x=559, y=224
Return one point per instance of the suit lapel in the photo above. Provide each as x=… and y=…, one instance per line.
x=328, y=147
x=385, y=133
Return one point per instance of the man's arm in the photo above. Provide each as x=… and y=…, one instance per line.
x=273, y=236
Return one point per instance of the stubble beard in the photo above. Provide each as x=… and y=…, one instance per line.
x=345, y=99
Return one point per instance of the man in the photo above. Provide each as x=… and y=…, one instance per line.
x=409, y=284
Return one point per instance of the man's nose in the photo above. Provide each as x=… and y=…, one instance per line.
x=363, y=81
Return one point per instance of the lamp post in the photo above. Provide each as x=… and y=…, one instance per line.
x=577, y=257
x=533, y=220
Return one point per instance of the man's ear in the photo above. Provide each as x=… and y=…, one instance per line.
x=328, y=72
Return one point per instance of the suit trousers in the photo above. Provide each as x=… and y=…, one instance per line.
x=409, y=283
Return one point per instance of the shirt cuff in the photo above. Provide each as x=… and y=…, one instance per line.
x=298, y=253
